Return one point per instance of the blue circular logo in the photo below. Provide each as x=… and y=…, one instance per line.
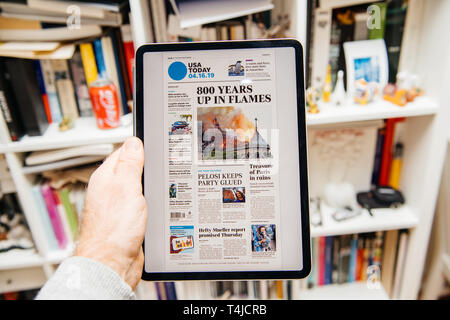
x=177, y=70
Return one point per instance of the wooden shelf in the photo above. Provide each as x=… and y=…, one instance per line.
x=380, y=109
x=345, y=291
x=85, y=132
x=382, y=219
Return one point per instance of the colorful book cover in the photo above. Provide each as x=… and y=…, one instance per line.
x=335, y=270
x=121, y=88
x=80, y=84
x=329, y=260
x=128, y=47
x=40, y=79
x=53, y=213
x=63, y=215
x=69, y=210
x=359, y=258
x=321, y=278
x=50, y=88
x=65, y=89
x=45, y=218
x=88, y=58
x=99, y=58
x=353, y=257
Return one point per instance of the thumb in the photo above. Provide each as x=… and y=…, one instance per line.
x=131, y=158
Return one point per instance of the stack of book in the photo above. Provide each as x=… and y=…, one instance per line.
x=60, y=212
x=39, y=87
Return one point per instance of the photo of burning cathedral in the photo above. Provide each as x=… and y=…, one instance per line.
x=226, y=133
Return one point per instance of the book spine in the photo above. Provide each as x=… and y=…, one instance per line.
x=121, y=87
x=335, y=270
x=68, y=209
x=321, y=278
x=45, y=219
x=40, y=78
x=81, y=88
x=63, y=214
x=50, y=89
x=328, y=260
x=28, y=97
x=128, y=47
x=123, y=68
x=66, y=91
x=378, y=156
x=8, y=105
x=359, y=259
x=52, y=210
x=99, y=58
x=88, y=58
x=353, y=256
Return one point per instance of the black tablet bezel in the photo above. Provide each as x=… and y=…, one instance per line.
x=303, y=171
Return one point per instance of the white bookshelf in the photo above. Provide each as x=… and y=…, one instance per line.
x=382, y=219
x=425, y=141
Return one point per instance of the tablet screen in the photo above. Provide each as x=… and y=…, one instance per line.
x=221, y=175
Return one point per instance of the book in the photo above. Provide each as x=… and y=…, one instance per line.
x=386, y=157
x=26, y=91
x=353, y=257
x=50, y=88
x=55, y=218
x=37, y=68
x=111, y=67
x=329, y=260
x=80, y=85
x=158, y=11
x=69, y=211
x=48, y=156
x=388, y=260
x=377, y=32
x=400, y=263
x=117, y=45
x=335, y=267
x=344, y=258
x=171, y=293
x=128, y=47
x=321, y=265
x=101, y=68
x=89, y=63
x=44, y=217
x=8, y=105
x=310, y=280
x=122, y=63
x=65, y=89
x=50, y=34
x=378, y=155
x=63, y=216
x=359, y=258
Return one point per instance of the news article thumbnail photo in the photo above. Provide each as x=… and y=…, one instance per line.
x=227, y=133
x=181, y=239
x=263, y=237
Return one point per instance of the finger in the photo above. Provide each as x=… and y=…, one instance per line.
x=131, y=159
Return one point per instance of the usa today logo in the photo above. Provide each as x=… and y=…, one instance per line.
x=177, y=70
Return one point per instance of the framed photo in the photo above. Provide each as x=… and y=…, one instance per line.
x=366, y=60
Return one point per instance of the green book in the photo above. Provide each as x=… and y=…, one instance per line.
x=378, y=33
x=70, y=212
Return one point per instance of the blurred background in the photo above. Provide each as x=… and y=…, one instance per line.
x=377, y=82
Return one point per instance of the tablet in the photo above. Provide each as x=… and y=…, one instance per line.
x=225, y=174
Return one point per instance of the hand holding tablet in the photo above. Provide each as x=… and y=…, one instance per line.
x=225, y=173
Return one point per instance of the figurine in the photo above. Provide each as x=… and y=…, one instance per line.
x=365, y=91
x=326, y=91
x=312, y=97
x=338, y=96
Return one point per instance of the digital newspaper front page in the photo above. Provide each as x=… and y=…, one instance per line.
x=222, y=206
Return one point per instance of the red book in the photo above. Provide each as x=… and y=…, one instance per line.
x=321, y=269
x=47, y=108
x=386, y=157
x=128, y=48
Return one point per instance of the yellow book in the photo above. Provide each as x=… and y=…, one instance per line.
x=89, y=64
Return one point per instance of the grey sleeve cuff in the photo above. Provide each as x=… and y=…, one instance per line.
x=83, y=278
